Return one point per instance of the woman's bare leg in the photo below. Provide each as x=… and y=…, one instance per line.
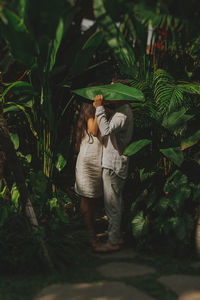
x=87, y=207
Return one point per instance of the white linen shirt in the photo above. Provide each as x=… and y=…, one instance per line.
x=117, y=134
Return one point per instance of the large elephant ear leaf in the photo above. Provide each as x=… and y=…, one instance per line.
x=114, y=38
x=174, y=154
x=117, y=91
x=190, y=141
x=20, y=41
x=176, y=121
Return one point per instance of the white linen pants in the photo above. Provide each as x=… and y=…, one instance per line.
x=113, y=187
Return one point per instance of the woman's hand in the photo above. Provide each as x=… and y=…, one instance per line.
x=98, y=101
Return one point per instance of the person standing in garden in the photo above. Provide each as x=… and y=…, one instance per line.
x=116, y=134
x=88, y=166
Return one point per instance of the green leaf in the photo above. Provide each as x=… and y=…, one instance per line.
x=144, y=174
x=61, y=162
x=44, y=16
x=191, y=88
x=174, y=221
x=18, y=85
x=21, y=8
x=196, y=193
x=11, y=108
x=22, y=108
x=177, y=190
x=183, y=227
x=190, y=141
x=53, y=202
x=21, y=43
x=49, y=21
x=115, y=91
x=136, y=146
x=121, y=49
x=163, y=204
x=175, y=180
x=142, y=198
x=174, y=154
x=176, y=121
x=4, y=192
x=4, y=212
x=178, y=197
x=15, y=195
x=56, y=43
x=138, y=224
x=15, y=139
x=168, y=95
x=84, y=56
x=28, y=157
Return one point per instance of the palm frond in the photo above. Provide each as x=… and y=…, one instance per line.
x=145, y=116
x=146, y=15
x=190, y=88
x=168, y=95
x=194, y=50
x=143, y=86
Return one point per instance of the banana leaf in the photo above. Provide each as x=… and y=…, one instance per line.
x=21, y=43
x=117, y=91
x=84, y=55
x=25, y=86
x=136, y=146
x=122, y=51
x=56, y=43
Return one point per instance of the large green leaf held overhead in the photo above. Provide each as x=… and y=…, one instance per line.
x=117, y=91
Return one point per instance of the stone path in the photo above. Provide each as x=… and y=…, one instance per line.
x=186, y=287
x=113, y=283
x=92, y=291
x=120, y=270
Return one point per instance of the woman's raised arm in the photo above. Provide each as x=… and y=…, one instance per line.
x=92, y=126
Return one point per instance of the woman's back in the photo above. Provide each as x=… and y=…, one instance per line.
x=88, y=168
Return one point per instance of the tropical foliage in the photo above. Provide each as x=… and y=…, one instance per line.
x=46, y=64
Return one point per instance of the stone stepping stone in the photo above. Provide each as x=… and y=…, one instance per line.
x=124, y=269
x=185, y=286
x=123, y=253
x=92, y=291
